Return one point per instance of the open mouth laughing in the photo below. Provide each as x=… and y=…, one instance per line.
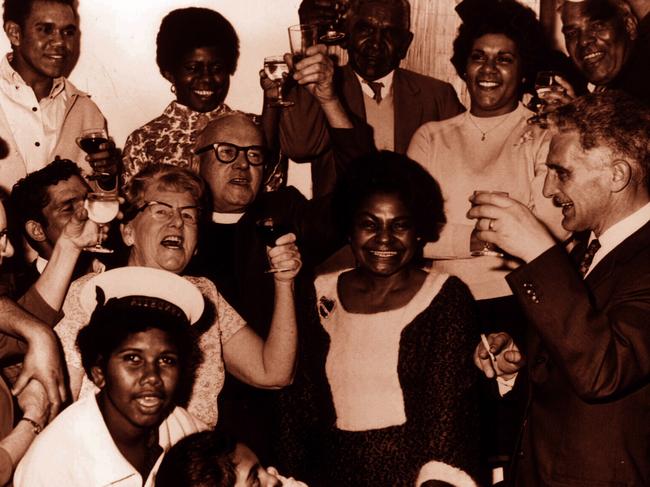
x=173, y=242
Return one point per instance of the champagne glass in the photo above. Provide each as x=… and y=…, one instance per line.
x=270, y=231
x=544, y=82
x=102, y=208
x=301, y=37
x=334, y=32
x=90, y=142
x=276, y=69
x=477, y=247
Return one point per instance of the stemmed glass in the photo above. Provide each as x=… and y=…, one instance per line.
x=276, y=69
x=479, y=247
x=90, y=142
x=544, y=82
x=102, y=208
x=301, y=37
x=334, y=33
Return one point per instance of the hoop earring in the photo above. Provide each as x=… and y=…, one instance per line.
x=173, y=88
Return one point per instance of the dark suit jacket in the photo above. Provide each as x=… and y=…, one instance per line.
x=417, y=99
x=589, y=368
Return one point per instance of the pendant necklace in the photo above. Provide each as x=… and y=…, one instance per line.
x=485, y=132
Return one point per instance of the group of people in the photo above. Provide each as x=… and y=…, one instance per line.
x=464, y=301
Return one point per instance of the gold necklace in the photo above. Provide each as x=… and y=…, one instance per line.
x=485, y=132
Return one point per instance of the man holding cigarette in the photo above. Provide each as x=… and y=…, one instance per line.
x=588, y=310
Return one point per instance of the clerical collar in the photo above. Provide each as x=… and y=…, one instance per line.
x=387, y=81
x=41, y=263
x=227, y=218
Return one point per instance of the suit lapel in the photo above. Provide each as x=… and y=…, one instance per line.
x=352, y=92
x=407, y=110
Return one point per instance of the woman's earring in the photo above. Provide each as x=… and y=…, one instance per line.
x=173, y=88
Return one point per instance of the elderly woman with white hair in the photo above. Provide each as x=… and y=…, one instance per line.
x=161, y=225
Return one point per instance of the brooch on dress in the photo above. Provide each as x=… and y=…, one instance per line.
x=325, y=306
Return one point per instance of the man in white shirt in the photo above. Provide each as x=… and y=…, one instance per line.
x=41, y=112
x=589, y=346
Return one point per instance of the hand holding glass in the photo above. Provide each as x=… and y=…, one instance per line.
x=90, y=142
x=479, y=247
x=301, y=37
x=102, y=208
x=277, y=70
x=270, y=231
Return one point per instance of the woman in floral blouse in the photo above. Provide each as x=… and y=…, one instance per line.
x=197, y=52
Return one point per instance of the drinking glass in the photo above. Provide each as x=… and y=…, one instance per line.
x=276, y=69
x=544, y=82
x=334, y=32
x=301, y=37
x=90, y=141
x=270, y=231
x=478, y=247
x=102, y=208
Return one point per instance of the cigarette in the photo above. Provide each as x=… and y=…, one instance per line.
x=273, y=271
x=487, y=347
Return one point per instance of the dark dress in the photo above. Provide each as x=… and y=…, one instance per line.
x=439, y=417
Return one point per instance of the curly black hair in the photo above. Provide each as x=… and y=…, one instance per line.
x=113, y=322
x=185, y=29
x=392, y=173
x=510, y=18
x=200, y=459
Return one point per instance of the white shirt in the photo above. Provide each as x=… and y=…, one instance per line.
x=77, y=450
x=386, y=80
x=35, y=125
x=227, y=218
x=618, y=232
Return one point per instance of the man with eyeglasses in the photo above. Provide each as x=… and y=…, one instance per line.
x=231, y=251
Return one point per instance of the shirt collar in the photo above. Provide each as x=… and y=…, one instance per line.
x=226, y=218
x=41, y=263
x=10, y=75
x=618, y=232
x=386, y=80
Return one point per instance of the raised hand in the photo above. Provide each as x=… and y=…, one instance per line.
x=316, y=73
x=284, y=258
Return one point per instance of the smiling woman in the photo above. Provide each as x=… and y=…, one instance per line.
x=197, y=52
x=139, y=350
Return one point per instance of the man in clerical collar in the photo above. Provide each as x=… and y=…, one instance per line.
x=41, y=112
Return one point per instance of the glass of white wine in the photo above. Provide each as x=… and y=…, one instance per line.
x=277, y=70
x=102, y=208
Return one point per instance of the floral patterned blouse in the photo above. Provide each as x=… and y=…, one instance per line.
x=209, y=375
x=168, y=138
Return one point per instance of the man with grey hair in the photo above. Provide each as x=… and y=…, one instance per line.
x=589, y=311
x=372, y=87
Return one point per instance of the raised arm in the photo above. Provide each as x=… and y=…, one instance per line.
x=270, y=364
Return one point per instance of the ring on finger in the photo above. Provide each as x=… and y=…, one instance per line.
x=491, y=225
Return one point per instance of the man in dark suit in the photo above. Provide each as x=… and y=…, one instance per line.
x=589, y=345
x=372, y=87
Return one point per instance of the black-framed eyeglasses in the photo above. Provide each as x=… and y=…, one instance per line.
x=226, y=152
x=164, y=212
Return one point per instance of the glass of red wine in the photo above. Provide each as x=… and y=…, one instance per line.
x=301, y=37
x=90, y=142
x=334, y=32
x=270, y=231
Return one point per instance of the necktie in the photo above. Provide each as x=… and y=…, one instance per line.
x=376, y=87
x=593, y=247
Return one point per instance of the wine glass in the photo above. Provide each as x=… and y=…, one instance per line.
x=334, y=32
x=90, y=142
x=102, y=208
x=270, y=231
x=545, y=82
x=276, y=69
x=301, y=37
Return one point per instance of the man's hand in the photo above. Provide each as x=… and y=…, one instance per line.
x=34, y=402
x=43, y=363
x=316, y=73
x=107, y=161
x=509, y=225
x=556, y=96
x=81, y=232
x=285, y=256
x=508, y=358
x=318, y=12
